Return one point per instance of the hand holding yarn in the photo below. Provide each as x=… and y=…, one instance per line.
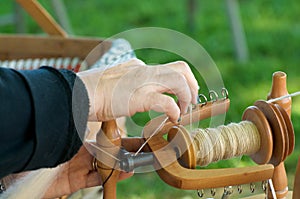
x=76, y=174
x=133, y=87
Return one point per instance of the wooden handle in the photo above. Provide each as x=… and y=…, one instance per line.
x=42, y=17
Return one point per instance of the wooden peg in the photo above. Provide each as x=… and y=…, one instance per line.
x=109, y=140
x=279, y=89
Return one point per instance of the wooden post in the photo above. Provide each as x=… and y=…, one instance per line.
x=42, y=17
x=279, y=89
x=109, y=140
x=296, y=191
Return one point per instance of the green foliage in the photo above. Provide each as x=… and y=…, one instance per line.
x=273, y=35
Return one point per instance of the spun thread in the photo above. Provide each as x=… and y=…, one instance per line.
x=225, y=142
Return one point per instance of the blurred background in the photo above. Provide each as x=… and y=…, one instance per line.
x=248, y=42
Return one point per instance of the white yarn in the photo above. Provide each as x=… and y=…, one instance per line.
x=33, y=185
x=224, y=142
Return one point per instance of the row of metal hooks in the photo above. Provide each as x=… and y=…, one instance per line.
x=213, y=96
x=229, y=190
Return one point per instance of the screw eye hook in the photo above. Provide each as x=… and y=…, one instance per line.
x=213, y=192
x=224, y=93
x=240, y=189
x=213, y=95
x=204, y=99
x=252, y=187
x=200, y=193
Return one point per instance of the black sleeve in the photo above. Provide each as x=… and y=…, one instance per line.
x=36, y=122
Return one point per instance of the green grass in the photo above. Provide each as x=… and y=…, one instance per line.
x=273, y=34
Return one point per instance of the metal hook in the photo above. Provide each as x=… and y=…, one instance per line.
x=252, y=187
x=215, y=97
x=213, y=192
x=200, y=193
x=240, y=189
x=204, y=97
x=191, y=107
x=264, y=185
x=227, y=192
x=224, y=93
x=2, y=187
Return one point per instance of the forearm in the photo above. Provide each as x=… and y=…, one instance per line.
x=37, y=127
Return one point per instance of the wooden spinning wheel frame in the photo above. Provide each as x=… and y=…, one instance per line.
x=272, y=121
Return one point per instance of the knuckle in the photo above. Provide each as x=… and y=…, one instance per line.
x=169, y=101
x=137, y=61
x=183, y=64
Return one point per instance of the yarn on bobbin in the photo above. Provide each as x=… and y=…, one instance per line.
x=225, y=142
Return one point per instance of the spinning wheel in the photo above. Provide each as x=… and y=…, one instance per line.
x=267, y=136
x=269, y=131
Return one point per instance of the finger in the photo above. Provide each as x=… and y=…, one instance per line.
x=161, y=103
x=93, y=179
x=125, y=175
x=83, y=154
x=173, y=82
x=183, y=68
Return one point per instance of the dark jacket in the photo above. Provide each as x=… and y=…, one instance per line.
x=36, y=122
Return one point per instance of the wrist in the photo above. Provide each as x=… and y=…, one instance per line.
x=90, y=80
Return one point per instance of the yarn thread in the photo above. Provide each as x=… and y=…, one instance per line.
x=225, y=142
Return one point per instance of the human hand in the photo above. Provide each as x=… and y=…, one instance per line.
x=133, y=87
x=76, y=174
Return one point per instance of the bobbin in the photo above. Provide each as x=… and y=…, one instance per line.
x=182, y=142
x=256, y=116
x=272, y=122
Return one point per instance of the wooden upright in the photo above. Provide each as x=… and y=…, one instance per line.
x=109, y=140
x=296, y=191
x=279, y=89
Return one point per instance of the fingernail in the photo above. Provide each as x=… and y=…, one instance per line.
x=179, y=119
x=194, y=100
x=186, y=110
x=198, y=99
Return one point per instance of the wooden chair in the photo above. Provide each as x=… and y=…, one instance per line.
x=56, y=45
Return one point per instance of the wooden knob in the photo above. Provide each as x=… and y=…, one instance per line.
x=279, y=89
